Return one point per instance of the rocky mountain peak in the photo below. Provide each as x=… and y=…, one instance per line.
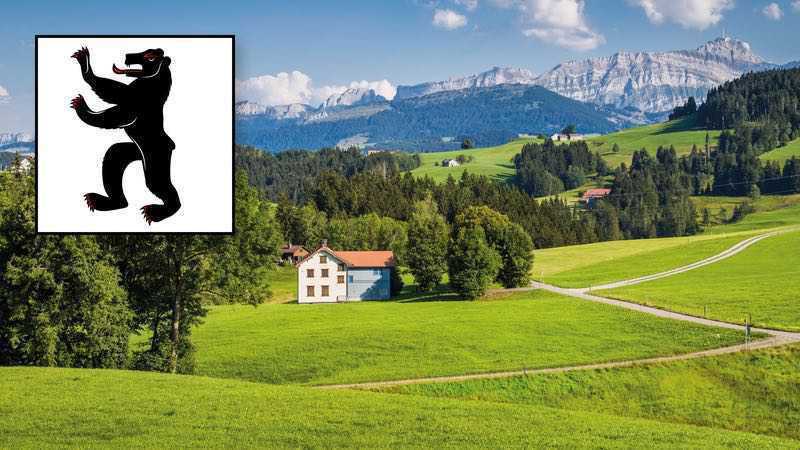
x=353, y=96
x=730, y=48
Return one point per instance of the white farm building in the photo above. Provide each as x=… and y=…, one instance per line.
x=328, y=276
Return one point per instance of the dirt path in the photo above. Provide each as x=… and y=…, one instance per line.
x=773, y=341
x=776, y=337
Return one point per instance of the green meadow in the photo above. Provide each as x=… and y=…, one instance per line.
x=781, y=154
x=757, y=392
x=605, y=262
x=681, y=133
x=372, y=341
x=497, y=162
x=120, y=409
x=283, y=284
x=494, y=162
x=762, y=281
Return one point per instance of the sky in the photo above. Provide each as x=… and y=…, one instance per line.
x=303, y=51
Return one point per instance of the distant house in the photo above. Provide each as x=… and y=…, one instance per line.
x=328, y=276
x=372, y=151
x=25, y=165
x=450, y=163
x=567, y=137
x=591, y=196
x=293, y=254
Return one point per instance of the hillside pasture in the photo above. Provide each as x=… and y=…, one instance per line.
x=761, y=281
x=605, y=262
x=80, y=408
x=681, y=133
x=781, y=154
x=371, y=341
x=757, y=392
x=587, y=265
x=493, y=162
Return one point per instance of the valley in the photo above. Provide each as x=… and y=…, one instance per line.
x=604, y=253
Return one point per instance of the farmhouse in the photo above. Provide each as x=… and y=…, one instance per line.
x=293, y=253
x=592, y=195
x=450, y=163
x=328, y=276
x=566, y=137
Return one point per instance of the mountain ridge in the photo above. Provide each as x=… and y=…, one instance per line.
x=489, y=116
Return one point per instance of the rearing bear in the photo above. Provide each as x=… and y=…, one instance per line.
x=139, y=111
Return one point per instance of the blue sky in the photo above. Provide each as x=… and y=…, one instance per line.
x=333, y=44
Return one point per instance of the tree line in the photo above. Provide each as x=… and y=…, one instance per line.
x=548, y=169
x=73, y=300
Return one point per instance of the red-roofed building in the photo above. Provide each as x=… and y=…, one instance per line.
x=293, y=253
x=592, y=195
x=329, y=276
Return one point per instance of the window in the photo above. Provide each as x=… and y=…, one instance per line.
x=310, y=273
x=309, y=291
x=323, y=259
x=324, y=273
x=325, y=291
x=341, y=267
x=340, y=279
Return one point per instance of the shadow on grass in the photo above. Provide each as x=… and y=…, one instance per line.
x=442, y=293
x=685, y=124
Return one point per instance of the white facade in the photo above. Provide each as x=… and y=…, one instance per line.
x=565, y=137
x=322, y=270
x=453, y=163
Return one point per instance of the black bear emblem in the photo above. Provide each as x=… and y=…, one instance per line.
x=139, y=111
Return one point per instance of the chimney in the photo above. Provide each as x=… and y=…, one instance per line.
x=324, y=243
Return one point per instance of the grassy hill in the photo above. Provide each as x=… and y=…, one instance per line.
x=58, y=408
x=604, y=262
x=494, y=162
x=783, y=153
x=755, y=392
x=762, y=280
x=328, y=344
x=680, y=133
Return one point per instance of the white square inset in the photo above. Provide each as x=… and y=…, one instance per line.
x=120, y=111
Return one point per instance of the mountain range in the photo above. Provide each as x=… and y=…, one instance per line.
x=651, y=82
x=486, y=115
x=622, y=89
x=16, y=142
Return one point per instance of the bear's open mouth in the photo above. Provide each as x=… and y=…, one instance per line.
x=134, y=72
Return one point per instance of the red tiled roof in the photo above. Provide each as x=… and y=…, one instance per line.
x=596, y=193
x=293, y=249
x=380, y=258
x=368, y=258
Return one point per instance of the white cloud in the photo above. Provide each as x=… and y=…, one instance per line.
x=470, y=5
x=697, y=14
x=3, y=95
x=383, y=87
x=448, y=19
x=296, y=87
x=560, y=22
x=796, y=5
x=773, y=11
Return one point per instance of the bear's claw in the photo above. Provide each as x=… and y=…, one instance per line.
x=81, y=55
x=91, y=201
x=77, y=102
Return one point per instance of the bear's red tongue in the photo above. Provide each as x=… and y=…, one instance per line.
x=128, y=72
